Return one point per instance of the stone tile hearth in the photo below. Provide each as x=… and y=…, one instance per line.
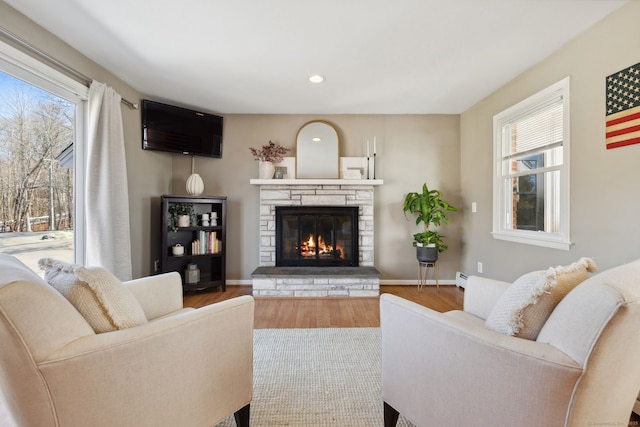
x=316, y=281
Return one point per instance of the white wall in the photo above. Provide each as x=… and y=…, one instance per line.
x=412, y=149
x=605, y=197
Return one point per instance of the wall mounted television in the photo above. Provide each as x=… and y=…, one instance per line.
x=180, y=130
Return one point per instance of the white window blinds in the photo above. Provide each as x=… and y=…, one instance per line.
x=535, y=130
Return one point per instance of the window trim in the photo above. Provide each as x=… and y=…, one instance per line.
x=560, y=240
x=36, y=73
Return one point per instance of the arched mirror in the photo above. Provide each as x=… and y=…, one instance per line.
x=317, y=154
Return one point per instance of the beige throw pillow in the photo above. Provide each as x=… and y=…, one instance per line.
x=104, y=302
x=525, y=306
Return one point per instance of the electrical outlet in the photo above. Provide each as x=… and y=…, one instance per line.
x=479, y=267
x=156, y=266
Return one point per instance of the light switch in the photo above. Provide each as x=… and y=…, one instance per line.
x=474, y=207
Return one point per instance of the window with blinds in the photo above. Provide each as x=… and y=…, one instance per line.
x=531, y=180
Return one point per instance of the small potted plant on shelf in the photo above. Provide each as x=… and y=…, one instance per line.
x=268, y=155
x=180, y=215
x=430, y=210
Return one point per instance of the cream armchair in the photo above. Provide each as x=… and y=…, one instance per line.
x=186, y=367
x=447, y=369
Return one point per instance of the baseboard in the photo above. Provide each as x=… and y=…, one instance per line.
x=239, y=282
x=382, y=282
x=414, y=282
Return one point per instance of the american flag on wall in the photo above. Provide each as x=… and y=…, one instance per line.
x=623, y=107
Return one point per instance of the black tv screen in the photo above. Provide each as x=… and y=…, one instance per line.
x=180, y=130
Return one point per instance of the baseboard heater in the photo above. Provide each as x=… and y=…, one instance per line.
x=461, y=280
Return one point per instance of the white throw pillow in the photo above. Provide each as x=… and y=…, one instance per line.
x=525, y=306
x=104, y=302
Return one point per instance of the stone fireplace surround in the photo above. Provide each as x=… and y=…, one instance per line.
x=269, y=280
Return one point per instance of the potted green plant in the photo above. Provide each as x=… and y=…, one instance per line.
x=430, y=210
x=177, y=214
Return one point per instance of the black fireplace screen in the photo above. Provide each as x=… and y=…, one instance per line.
x=316, y=236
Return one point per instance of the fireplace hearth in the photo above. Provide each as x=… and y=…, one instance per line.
x=316, y=236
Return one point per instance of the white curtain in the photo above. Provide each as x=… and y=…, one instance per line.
x=108, y=242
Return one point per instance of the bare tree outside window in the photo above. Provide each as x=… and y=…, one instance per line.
x=36, y=172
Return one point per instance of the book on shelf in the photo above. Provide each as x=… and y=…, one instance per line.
x=207, y=243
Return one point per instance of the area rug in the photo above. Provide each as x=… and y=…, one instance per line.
x=316, y=377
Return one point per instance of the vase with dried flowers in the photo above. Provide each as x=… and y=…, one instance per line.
x=268, y=155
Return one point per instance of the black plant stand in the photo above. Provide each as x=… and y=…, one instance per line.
x=423, y=272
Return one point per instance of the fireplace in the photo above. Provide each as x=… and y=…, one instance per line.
x=362, y=280
x=317, y=236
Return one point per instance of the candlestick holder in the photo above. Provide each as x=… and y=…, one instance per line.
x=367, y=167
x=374, y=165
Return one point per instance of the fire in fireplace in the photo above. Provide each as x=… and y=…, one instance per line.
x=318, y=236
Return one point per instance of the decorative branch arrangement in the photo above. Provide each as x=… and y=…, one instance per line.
x=270, y=153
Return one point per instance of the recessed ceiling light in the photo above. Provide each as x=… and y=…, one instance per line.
x=316, y=139
x=316, y=78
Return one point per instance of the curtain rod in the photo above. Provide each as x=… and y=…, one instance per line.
x=40, y=55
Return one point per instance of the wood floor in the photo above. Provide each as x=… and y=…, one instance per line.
x=330, y=312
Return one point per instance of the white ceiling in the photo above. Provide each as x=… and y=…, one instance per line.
x=378, y=56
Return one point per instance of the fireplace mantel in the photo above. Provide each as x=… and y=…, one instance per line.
x=317, y=181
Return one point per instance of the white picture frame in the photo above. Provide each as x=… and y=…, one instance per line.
x=288, y=167
x=348, y=164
